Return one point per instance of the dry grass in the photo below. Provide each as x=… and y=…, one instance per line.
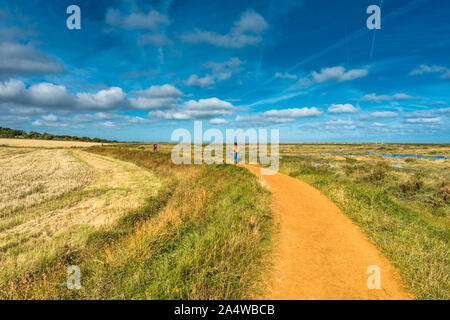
x=35, y=231
x=29, y=177
x=30, y=143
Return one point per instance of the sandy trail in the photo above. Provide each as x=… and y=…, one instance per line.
x=321, y=254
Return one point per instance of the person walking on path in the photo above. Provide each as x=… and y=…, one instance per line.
x=235, y=152
x=155, y=147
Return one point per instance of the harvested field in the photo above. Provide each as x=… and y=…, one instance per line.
x=54, y=215
x=30, y=143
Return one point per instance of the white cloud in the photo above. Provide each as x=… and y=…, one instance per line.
x=156, y=97
x=220, y=71
x=423, y=69
x=338, y=74
x=48, y=94
x=194, y=80
x=107, y=124
x=201, y=109
x=52, y=124
x=260, y=119
x=294, y=112
x=434, y=103
x=41, y=96
x=50, y=117
x=339, y=122
x=424, y=120
x=379, y=115
x=104, y=99
x=142, y=103
x=333, y=74
x=342, y=108
x=16, y=58
x=164, y=91
x=172, y=115
x=245, y=31
x=11, y=89
x=431, y=113
x=108, y=120
x=285, y=75
x=218, y=121
x=223, y=70
x=279, y=116
x=379, y=98
x=150, y=21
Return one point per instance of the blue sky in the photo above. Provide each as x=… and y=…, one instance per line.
x=137, y=70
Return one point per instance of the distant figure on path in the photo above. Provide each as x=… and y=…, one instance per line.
x=155, y=147
x=235, y=152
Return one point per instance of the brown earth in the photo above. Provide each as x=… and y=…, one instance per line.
x=320, y=253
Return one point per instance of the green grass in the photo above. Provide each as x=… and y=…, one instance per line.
x=205, y=235
x=394, y=208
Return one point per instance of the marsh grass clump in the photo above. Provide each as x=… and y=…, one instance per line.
x=439, y=200
x=412, y=186
x=378, y=173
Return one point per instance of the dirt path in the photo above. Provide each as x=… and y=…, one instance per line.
x=321, y=254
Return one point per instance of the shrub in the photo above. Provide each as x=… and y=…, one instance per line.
x=378, y=173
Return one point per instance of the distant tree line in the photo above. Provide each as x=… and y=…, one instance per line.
x=21, y=134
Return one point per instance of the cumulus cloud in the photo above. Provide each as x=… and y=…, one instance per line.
x=192, y=109
x=220, y=71
x=379, y=115
x=104, y=99
x=194, y=80
x=245, y=31
x=338, y=74
x=17, y=59
x=136, y=20
x=384, y=97
x=164, y=91
x=156, y=97
x=333, y=74
x=150, y=23
x=223, y=70
x=11, y=89
x=342, y=108
x=56, y=97
x=142, y=103
x=423, y=69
